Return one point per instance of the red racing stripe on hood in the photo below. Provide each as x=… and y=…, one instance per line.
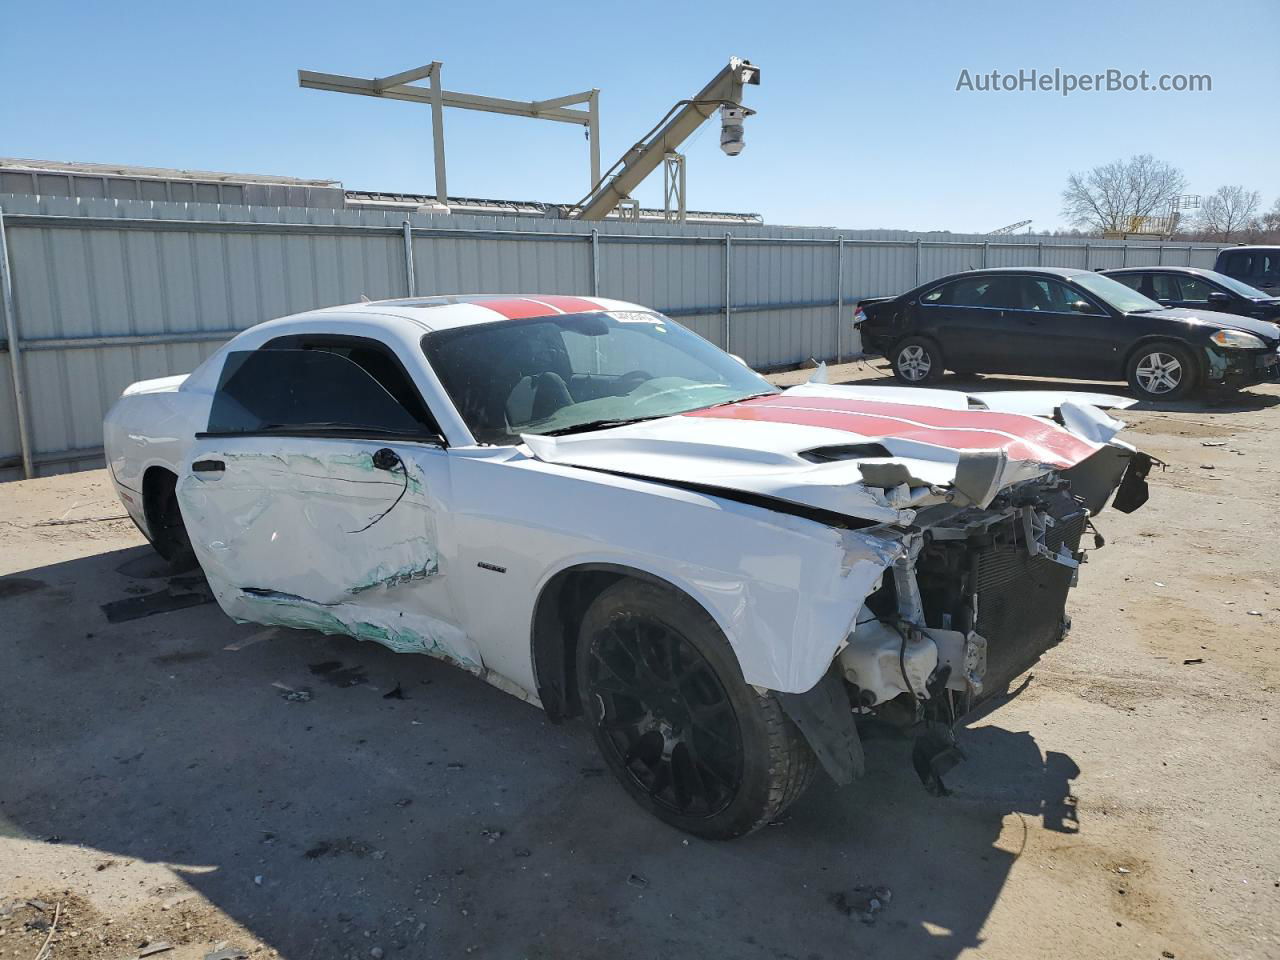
x=1021, y=437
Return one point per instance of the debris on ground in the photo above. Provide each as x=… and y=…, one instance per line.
x=1213, y=443
x=291, y=695
x=865, y=908
x=223, y=951
x=493, y=836
x=252, y=639
x=396, y=693
x=335, y=674
x=43, y=952
x=149, y=950
x=63, y=523
x=1186, y=663
x=637, y=881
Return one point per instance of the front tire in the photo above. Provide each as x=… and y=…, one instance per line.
x=685, y=735
x=1162, y=371
x=916, y=361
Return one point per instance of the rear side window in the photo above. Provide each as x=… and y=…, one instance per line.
x=971, y=292
x=1194, y=289
x=1238, y=263
x=312, y=392
x=1157, y=286
x=1165, y=287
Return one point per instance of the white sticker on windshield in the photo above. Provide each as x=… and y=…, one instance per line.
x=635, y=316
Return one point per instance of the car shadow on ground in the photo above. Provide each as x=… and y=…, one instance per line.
x=1227, y=401
x=330, y=815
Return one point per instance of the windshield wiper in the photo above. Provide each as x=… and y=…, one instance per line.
x=622, y=422
x=600, y=425
x=750, y=396
x=321, y=426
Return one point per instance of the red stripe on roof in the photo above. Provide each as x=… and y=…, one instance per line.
x=522, y=308
x=515, y=308
x=1021, y=437
x=570, y=304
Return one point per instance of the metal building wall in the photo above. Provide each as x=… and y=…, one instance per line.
x=109, y=291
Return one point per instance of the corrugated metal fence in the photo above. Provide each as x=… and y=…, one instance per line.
x=104, y=292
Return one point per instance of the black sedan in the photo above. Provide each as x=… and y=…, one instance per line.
x=1053, y=322
x=1199, y=289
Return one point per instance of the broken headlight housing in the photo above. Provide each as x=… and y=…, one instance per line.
x=1237, y=340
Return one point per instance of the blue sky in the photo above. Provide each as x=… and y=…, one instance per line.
x=859, y=123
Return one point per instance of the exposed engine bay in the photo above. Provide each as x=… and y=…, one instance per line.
x=977, y=597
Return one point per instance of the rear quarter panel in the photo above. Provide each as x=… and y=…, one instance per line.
x=150, y=429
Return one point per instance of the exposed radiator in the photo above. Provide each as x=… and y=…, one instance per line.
x=1022, y=599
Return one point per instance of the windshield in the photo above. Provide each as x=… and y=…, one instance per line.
x=1237, y=286
x=1125, y=299
x=581, y=371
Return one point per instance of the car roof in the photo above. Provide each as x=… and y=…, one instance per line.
x=1066, y=273
x=1162, y=268
x=1056, y=271
x=1249, y=246
x=447, y=312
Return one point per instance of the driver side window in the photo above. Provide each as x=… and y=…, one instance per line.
x=309, y=392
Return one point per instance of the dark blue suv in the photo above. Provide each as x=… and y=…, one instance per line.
x=1257, y=266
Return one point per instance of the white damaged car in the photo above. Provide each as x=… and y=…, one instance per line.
x=591, y=507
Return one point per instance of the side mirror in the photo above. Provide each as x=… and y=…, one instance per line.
x=1217, y=296
x=1082, y=306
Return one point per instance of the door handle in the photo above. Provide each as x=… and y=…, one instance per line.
x=208, y=466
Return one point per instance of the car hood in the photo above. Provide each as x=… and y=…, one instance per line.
x=1215, y=320
x=872, y=453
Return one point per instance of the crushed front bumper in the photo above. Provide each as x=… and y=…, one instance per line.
x=1231, y=369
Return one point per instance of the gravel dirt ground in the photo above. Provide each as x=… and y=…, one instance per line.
x=159, y=786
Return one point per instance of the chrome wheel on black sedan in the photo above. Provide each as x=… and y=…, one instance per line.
x=1162, y=371
x=916, y=361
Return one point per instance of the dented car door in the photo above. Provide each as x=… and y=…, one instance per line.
x=307, y=511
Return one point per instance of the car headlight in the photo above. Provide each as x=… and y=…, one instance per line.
x=1237, y=340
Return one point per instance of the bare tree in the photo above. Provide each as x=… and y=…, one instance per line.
x=1270, y=221
x=1109, y=197
x=1229, y=210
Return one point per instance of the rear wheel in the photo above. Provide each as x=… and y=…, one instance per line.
x=685, y=735
x=1162, y=371
x=916, y=361
x=164, y=521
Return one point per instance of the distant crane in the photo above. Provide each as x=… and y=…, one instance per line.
x=1004, y=231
